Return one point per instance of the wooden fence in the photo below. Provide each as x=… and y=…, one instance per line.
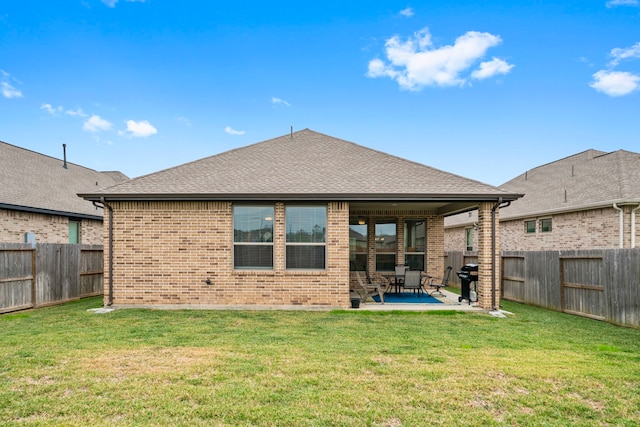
x=48, y=274
x=600, y=284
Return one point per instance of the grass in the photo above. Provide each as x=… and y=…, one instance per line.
x=66, y=366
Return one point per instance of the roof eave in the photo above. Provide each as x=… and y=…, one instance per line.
x=50, y=212
x=359, y=197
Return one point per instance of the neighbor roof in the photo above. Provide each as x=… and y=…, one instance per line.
x=304, y=165
x=587, y=180
x=34, y=182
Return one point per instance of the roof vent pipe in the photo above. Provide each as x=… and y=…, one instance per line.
x=64, y=153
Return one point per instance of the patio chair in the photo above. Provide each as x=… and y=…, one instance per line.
x=440, y=283
x=413, y=280
x=370, y=289
x=399, y=279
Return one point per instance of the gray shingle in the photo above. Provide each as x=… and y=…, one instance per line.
x=587, y=179
x=33, y=180
x=305, y=163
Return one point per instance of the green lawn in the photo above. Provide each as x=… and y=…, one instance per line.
x=66, y=366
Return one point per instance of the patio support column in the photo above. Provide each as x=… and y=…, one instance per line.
x=486, y=274
x=400, y=240
x=435, y=246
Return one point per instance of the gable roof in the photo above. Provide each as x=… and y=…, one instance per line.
x=587, y=180
x=304, y=165
x=34, y=182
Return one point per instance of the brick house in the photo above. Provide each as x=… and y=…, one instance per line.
x=281, y=223
x=586, y=201
x=39, y=202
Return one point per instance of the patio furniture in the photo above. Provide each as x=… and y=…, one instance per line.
x=440, y=283
x=370, y=289
x=413, y=281
x=399, y=276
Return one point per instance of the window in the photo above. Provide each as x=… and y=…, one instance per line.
x=306, y=237
x=469, y=238
x=358, y=247
x=530, y=226
x=74, y=231
x=386, y=245
x=414, y=242
x=545, y=225
x=253, y=237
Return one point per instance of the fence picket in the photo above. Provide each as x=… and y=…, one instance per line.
x=48, y=274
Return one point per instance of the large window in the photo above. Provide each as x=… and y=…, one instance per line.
x=358, y=246
x=414, y=243
x=253, y=237
x=386, y=246
x=306, y=228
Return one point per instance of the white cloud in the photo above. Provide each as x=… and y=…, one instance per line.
x=619, y=53
x=184, y=120
x=112, y=3
x=416, y=63
x=232, y=131
x=140, y=129
x=491, y=68
x=408, y=12
x=7, y=89
x=613, y=3
x=76, y=113
x=615, y=83
x=278, y=101
x=96, y=124
x=54, y=111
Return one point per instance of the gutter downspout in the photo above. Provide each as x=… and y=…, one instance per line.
x=110, y=239
x=621, y=226
x=493, y=250
x=633, y=226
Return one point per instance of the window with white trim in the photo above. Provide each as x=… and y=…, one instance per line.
x=530, y=226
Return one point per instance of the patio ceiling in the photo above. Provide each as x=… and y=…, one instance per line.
x=438, y=207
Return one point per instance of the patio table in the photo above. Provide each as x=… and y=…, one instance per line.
x=394, y=281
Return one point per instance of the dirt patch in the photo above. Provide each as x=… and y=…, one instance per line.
x=150, y=361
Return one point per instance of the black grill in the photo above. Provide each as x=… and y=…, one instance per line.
x=467, y=274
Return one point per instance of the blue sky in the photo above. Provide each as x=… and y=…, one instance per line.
x=484, y=89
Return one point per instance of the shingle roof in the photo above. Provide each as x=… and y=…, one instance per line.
x=303, y=165
x=33, y=181
x=586, y=180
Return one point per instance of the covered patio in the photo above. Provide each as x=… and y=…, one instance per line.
x=383, y=234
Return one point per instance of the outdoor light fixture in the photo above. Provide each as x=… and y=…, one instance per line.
x=361, y=221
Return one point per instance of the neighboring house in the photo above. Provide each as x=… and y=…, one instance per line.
x=280, y=223
x=586, y=201
x=39, y=202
